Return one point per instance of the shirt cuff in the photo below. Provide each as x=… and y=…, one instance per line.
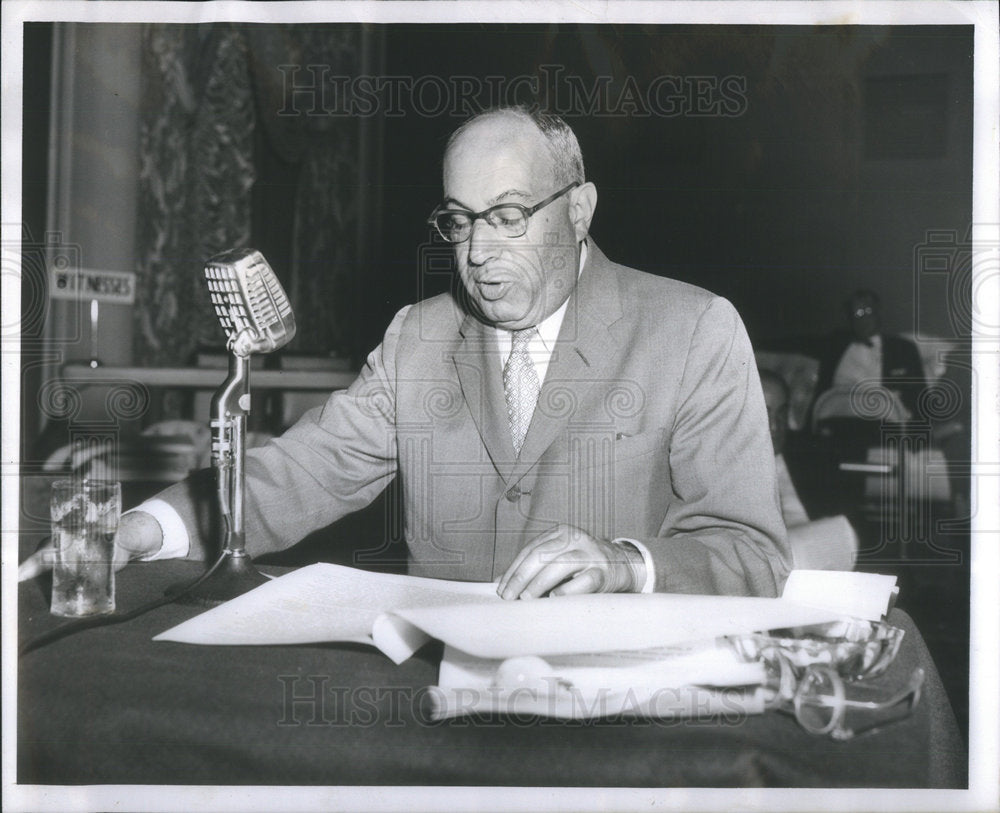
x=647, y=560
x=176, y=542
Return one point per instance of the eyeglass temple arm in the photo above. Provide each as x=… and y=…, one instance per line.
x=913, y=687
x=528, y=210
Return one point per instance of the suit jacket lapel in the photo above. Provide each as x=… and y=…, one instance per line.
x=477, y=363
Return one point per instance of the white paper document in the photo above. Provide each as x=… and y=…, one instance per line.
x=603, y=622
x=711, y=663
x=705, y=679
x=398, y=614
x=571, y=702
x=581, y=657
x=861, y=595
x=325, y=602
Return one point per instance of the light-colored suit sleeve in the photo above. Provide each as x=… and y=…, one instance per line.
x=335, y=460
x=723, y=532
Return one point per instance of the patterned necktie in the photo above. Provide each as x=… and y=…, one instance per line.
x=520, y=384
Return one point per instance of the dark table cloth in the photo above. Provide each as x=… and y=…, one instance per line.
x=110, y=706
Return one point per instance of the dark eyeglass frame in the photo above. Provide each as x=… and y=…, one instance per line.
x=487, y=214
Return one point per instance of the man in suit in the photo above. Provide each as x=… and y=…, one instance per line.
x=562, y=424
x=868, y=355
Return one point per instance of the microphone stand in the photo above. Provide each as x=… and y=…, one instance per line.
x=234, y=573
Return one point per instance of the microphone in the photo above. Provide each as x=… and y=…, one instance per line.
x=250, y=302
x=257, y=318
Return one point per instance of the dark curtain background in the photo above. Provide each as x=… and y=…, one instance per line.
x=783, y=204
x=221, y=167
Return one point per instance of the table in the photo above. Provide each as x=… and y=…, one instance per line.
x=208, y=378
x=285, y=393
x=109, y=705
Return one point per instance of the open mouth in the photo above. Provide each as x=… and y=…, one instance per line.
x=493, y=289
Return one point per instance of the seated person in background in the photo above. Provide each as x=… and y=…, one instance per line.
x=825, y=544
x=563, y=424
x=866, y=355
x=776, y=400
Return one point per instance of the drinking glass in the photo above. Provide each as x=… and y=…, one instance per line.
x=85, y=516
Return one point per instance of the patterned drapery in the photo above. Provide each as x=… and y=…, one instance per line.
x=196, y=170
x=211, y=95
x=322, y=260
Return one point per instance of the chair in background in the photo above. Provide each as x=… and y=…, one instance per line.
x=869, y=430
x=885, y=471
x=800, y=373
x=163, y=453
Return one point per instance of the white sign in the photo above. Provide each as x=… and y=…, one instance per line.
x=86, y=283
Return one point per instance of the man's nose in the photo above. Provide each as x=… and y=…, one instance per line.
x=482, y=242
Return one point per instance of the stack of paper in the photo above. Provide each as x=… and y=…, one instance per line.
x=657, y=655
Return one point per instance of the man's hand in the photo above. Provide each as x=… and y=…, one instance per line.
x=567, y=561
x=138, y=535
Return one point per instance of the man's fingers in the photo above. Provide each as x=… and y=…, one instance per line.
x=557, y=571
x=590, y=580
x=518, y=565
x=120, y=556
x=39, y=562
x=565, y=561
x=138, y=535
x=541, y=556
x=523, y=554
x=559, y=562
x=519, y=574
x=548, y=577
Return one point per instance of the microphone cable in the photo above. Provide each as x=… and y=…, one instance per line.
x=257, y=317
x=80, y=624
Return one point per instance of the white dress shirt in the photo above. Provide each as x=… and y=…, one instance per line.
x=860, y=363
x=544, y=341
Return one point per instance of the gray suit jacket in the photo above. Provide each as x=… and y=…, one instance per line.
x=650, y=425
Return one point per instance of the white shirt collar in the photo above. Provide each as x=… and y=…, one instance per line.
x=544, y=343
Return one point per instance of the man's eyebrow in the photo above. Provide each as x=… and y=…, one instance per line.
x=456, y=203
x=510, y=193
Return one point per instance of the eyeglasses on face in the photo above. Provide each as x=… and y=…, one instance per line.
x=509, y=219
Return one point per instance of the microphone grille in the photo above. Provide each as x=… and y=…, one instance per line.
x=251, y=304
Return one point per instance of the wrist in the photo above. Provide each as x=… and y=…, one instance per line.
x=635, y=565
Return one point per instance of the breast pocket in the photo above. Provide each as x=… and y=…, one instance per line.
x=627, y=447
x=617, y=481
x=607, y=450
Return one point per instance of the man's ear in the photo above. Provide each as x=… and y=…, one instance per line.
x=582, y=203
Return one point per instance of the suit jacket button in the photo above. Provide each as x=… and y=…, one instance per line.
x=513, y=494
